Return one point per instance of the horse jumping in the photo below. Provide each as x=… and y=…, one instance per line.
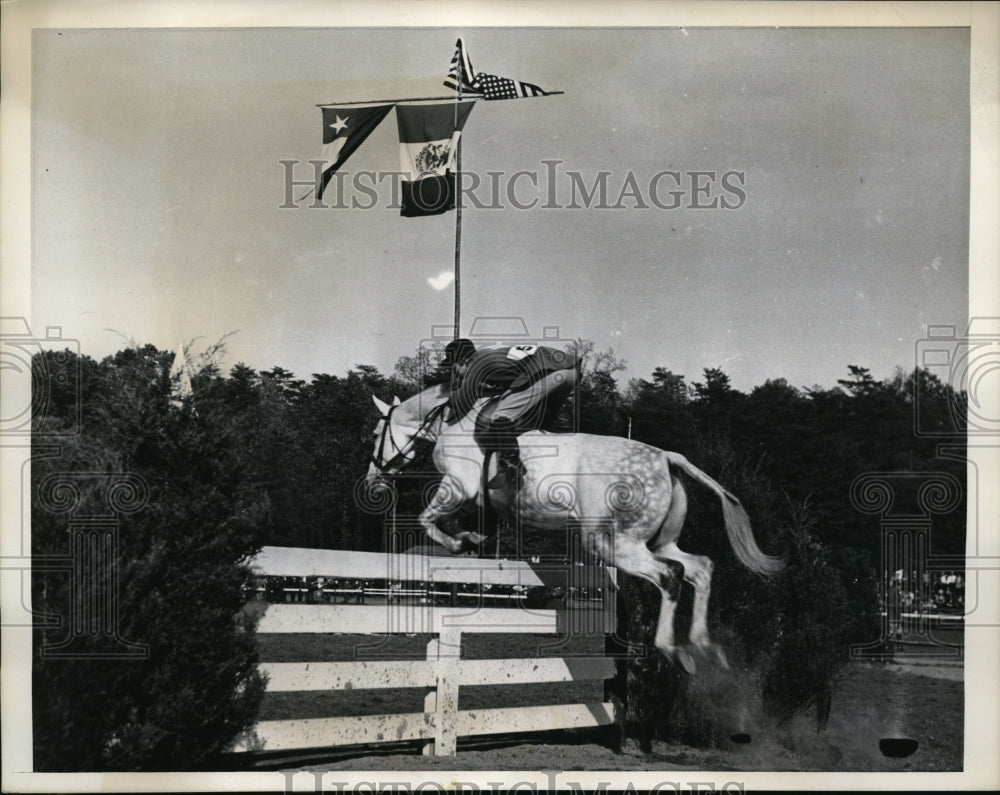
x=625, y=495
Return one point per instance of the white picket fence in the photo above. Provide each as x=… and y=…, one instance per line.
x=443, y=671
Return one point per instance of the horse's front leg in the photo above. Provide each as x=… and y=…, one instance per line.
x=438, y=509
x=449, y=497
x=470, y=539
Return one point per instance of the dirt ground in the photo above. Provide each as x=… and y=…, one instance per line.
x=873, y=701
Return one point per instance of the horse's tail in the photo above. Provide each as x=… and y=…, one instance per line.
x=737, y=522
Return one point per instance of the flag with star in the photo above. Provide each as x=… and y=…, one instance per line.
x=344, y=130
x=428, y=137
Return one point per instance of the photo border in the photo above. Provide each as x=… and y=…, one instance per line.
x=982, y=737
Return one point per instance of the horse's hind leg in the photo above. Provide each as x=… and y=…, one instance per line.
x=698, y=572
x=635, y=557
x=697, y=568
x=669, y=585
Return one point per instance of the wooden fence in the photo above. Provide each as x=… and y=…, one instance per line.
x=443, y=672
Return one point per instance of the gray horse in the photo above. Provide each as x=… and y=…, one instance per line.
x=625, y=495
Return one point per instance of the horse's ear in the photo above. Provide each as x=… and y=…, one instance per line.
x=381, y=406
x=395, y=400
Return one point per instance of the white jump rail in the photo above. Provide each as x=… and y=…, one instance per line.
x=443, y=671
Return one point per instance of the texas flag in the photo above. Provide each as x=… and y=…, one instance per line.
x=428, y=137
x=344, y=130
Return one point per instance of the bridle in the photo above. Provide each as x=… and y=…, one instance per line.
x=401, y=454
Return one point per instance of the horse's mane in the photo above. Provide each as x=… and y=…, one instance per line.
x=443, y=389
x=438, y=394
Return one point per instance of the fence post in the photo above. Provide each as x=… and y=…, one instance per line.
x=443, y=701
x=616, y=647
x=430, y=708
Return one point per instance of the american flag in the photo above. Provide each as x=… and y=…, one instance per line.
x=460, y=74
x=460, y=78
x=493, y=87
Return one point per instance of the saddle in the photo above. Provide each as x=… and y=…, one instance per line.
x=500, y=443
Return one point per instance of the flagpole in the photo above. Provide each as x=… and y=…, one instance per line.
x=458, y=221
x=417, y=99
x=393, y=101
x=458, y=237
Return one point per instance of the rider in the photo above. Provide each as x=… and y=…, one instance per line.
x=530, y=383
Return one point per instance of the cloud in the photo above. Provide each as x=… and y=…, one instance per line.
x=442, y=280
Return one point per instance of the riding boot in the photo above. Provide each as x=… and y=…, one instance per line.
x=503, y=440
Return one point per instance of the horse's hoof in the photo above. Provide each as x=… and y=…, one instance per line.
x=451, y=544
x=473, y=540
x=686, y=659
x=709, y=650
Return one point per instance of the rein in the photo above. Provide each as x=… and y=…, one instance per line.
x=400, y=453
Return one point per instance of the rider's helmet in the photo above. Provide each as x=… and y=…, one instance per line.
x=457, y=351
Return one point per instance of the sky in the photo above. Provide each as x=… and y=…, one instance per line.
x=157, y=193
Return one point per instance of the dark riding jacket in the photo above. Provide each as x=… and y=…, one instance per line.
x=494, y=371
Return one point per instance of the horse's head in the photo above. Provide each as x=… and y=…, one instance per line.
x=400, y=429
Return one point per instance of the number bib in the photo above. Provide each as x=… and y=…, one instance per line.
x=518, y=352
